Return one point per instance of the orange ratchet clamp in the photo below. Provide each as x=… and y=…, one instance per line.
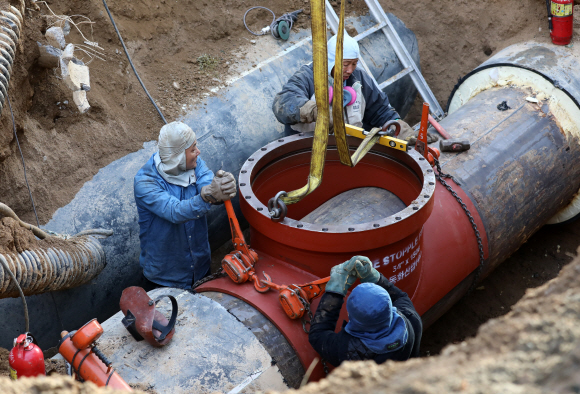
x=239, y=264
x=295, y=299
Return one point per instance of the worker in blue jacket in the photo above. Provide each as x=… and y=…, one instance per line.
x=295, y=105
x=383, y=323
x=174, y=191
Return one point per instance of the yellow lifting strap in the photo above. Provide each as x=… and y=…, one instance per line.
x=320, y=68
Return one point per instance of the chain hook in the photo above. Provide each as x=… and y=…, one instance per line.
x=388, y=129
x=276, y=207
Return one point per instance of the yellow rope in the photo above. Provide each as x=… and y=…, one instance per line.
x=320, y=68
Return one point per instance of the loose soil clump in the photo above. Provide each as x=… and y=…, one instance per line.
x=14, y=238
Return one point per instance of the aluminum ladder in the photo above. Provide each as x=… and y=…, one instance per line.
x=385, y=25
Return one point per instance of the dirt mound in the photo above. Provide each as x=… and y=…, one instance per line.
x=15, y=238
x=54, y=384
x=166, y=39
x=533, y=349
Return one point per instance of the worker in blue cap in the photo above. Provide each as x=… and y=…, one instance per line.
x=174, y=191
x=295, y=105
x=383, y=323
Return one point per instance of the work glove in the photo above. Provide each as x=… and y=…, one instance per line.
x=430, y=139
x=406, y=130
x=342, y=276
x=308, y=112
x=221, y=188
x=365, y=270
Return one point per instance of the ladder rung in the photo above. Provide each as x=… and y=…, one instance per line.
x=396, y=77
x=370, y=31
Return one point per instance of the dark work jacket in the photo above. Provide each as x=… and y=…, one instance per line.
x=300, y=88
x=338, y=347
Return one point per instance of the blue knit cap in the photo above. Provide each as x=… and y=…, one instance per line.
x=374, y=319
x=350, y=49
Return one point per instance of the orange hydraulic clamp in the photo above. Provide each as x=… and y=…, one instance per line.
x=79, y=349
x=239, y=266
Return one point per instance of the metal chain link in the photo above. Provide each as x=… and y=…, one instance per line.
x=307, y=309
x=304, y=322
x=440, y=175
x=215, y=275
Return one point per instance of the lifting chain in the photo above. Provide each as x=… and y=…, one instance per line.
x=307, y=310
x=218, y=274
x=309, y=322
x=440, y=175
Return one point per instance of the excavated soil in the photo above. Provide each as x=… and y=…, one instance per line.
x=182, y=49
x=54, y=385
x=15, y=238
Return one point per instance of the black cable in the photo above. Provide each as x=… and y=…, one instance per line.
x=22, y=157
x=548, y=4
x=289, y=17
x=131, y=62
x=4, y=264
x=35, y=214
x=259, y=7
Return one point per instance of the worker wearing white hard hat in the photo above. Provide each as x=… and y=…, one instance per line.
x=365, y=104
x=173, y=191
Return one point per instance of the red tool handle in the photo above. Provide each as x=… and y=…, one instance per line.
x=439, y=128
x=237, y=235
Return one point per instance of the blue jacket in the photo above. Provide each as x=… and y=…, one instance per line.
x=338, y=347
x=173, y=227
x=300, y=88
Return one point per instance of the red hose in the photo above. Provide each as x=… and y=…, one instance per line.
x=439, y=128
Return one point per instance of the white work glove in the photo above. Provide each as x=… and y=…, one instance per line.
x=308, y=112
x=222, y=188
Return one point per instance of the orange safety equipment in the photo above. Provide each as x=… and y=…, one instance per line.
x=79, y=349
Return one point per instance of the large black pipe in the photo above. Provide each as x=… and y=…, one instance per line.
x=522, y=166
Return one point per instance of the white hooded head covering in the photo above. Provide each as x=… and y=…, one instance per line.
x=350, y=50
x=174, y=139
